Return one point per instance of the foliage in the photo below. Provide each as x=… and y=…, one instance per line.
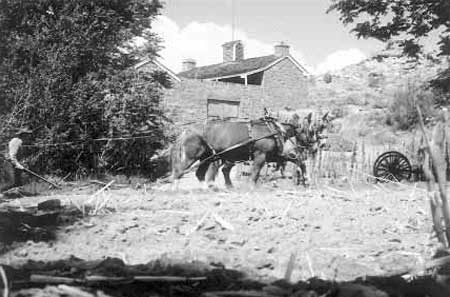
x=63, y=72
x=402, y=111
x=132, y=107
x=409, y=19
x=327, y=78
x=442, y=83
x=375, y=79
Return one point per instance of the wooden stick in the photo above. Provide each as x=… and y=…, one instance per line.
x=222, y=222
x=440, y=179
x=41, y=178
x=97, y=193
x=73, y=291
x=103, y=189
x=239, y=293
x=169, y=279
x=311, y=270
x=5, y=282
x=199, y=223
x=209, y=294
x=290, y=267
x=49, y=279
x=436, y=214
x=101, y=278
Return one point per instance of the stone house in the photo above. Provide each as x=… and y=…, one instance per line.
x=237, y=88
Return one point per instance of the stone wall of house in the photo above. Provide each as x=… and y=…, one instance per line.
x=186, y=102
x=284, y=86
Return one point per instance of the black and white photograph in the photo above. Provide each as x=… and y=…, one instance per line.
x=225, y=148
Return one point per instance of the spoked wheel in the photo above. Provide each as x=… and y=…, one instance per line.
x=393, y=166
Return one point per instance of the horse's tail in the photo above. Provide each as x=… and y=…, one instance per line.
x=177, y=155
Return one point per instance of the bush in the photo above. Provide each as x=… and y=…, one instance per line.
x=65, y=72
x=337, y=112
x=402, y=111
x=375, y=80
x=327, y=78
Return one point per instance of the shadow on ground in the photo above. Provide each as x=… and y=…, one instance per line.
x=34, y=223
x=111, y=277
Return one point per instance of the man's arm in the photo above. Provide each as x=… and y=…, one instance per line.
x=14, y=146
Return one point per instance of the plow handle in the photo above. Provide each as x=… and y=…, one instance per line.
x=41, y=178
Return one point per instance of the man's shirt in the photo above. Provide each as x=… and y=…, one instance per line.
x=13, y=148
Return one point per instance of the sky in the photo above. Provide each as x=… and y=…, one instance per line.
x=196, y=29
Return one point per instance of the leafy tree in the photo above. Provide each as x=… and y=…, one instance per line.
x=59, y=60
x=409, y=19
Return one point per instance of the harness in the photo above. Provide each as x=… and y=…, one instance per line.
x=280, y=132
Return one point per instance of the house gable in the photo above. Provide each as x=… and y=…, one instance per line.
x=285, y=84
x=152, y=65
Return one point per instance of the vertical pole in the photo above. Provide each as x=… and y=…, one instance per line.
x=233, y=24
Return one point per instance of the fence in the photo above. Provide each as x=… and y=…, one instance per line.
x=93, y=156
x=356, y=164
x=345, y=160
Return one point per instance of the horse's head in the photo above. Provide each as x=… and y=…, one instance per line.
x=319, y=127
x=309, y=133
x=304, y=131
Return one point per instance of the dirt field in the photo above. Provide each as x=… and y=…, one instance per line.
x=335, y=231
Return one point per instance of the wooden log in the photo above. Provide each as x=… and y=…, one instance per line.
x=50, y=279
x=240, y=293
x=169, y=279
x=111, y=279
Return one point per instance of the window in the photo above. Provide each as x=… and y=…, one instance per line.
x=222, y=109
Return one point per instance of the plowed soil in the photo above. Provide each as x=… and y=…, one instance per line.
x=334, y=231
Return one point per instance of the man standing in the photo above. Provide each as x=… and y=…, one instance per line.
x=12, y=169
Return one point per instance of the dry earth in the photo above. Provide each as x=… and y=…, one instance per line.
x=336, y=231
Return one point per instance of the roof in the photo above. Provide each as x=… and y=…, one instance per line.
x=230, y=68
x=160, y=65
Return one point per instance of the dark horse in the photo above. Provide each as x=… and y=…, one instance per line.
x=295, y=141
x=221, y=135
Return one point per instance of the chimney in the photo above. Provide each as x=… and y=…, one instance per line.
x=188, y=64
x=281, y=49
x=233, y=51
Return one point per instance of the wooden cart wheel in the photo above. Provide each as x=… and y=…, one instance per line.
x=393, y=166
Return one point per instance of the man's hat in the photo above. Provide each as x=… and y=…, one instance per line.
x=24, y=130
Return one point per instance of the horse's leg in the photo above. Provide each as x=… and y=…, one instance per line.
x=200, y=173
x=283, y=168
x=211, y=173
x=258, y=162
x=303, y=175
x=178, y=170
x=226, y=173
x=175, y=178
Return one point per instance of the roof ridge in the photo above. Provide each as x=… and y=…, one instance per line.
x=229, y=68
x=228, y=62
